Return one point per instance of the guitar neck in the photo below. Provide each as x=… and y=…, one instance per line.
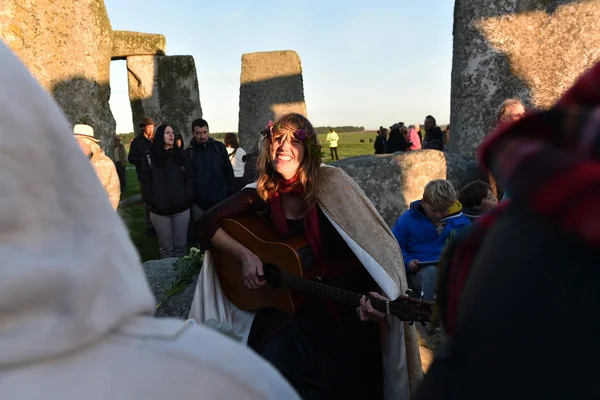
x=404, y=311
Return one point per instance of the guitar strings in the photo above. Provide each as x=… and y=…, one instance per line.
x=397, y=306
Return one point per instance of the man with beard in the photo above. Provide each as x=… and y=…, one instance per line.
x=434, y=137
x=214, y=174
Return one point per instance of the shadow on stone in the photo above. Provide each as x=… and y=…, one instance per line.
x=85, y=101
x=495, y=42
x=258, y=101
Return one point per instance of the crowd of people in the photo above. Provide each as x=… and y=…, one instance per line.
x=76, y=318
x=402, y=138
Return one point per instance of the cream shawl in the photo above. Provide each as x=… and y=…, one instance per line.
x=355, y=218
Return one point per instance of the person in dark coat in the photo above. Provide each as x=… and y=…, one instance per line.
x=214, y=181
x=518, y=295
x=434, y=137
x=137, y=149
x=397, y=140
x=167, y=185
x=141, y=144
x=381, y=141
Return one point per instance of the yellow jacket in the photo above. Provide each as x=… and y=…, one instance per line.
x=332, y=138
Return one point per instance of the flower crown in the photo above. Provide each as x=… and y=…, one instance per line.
x=301, y=135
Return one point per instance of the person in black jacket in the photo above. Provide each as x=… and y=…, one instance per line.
x=138, y=147
x=434, y=137
x=397, y=140
x=167, y=183
x=381, y=141
x=214, y=181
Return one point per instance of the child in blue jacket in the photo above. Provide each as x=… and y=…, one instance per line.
x=424, y=230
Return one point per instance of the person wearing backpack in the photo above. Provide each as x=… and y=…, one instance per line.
x=167, y=185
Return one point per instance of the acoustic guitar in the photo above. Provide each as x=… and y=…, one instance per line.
x=284, y=260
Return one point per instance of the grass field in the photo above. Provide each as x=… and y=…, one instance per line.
x=133, y=216
x=349, y=145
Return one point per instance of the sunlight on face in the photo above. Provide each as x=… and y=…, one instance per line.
x=84, y=146
x=489, y=202
x=514, y=113
x=287, y=154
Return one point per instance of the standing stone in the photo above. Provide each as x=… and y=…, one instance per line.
x=392, y=182
x=271, y=85
x=165, y=89
x=67, y=46
x=529, y=49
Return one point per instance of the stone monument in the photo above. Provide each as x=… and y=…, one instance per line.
x=529, y=49
x=271, y=85
x=166, y=89
x=68, y=47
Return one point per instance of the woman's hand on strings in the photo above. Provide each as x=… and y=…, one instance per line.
x=366, y=312
x=252, y=270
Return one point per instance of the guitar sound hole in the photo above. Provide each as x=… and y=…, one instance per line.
x=272, y=275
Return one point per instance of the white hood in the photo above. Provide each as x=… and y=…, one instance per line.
x=69, y=273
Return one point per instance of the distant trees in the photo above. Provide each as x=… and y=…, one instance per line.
x=339, y=129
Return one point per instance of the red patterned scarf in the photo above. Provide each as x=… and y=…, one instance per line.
x=312, y=231
x=551, y=161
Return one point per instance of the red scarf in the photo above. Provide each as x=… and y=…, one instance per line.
x=293, y=187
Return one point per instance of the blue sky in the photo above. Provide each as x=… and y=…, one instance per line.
x=364, y=63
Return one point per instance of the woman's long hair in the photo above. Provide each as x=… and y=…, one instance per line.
x=158, y=152
x=268, y=178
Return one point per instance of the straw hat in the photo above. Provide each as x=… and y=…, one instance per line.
x=85, y=131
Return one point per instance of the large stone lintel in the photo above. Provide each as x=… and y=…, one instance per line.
x=126, y=43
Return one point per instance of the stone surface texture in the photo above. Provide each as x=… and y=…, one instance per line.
x=271, y=85
x=67, y=46
x=126, y=43
x=160, y=274
x=529, y=49
x=164, y=88
x=392, y=182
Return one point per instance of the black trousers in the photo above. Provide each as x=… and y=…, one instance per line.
x=334, y=150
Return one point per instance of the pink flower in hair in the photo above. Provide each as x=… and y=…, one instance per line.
x=301, y=135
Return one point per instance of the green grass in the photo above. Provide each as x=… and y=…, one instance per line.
x=349, y=145
x=133, y=215
x=133, y=186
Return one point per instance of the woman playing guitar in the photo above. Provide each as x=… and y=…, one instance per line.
x=324, y=349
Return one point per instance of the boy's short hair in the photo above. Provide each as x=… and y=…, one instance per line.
x=439, y=194
x=472, y=193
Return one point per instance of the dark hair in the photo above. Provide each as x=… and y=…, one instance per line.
x=200, y=123
x=473, y=193
x=231, y=140
x=429, y=116
x=158, y=153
